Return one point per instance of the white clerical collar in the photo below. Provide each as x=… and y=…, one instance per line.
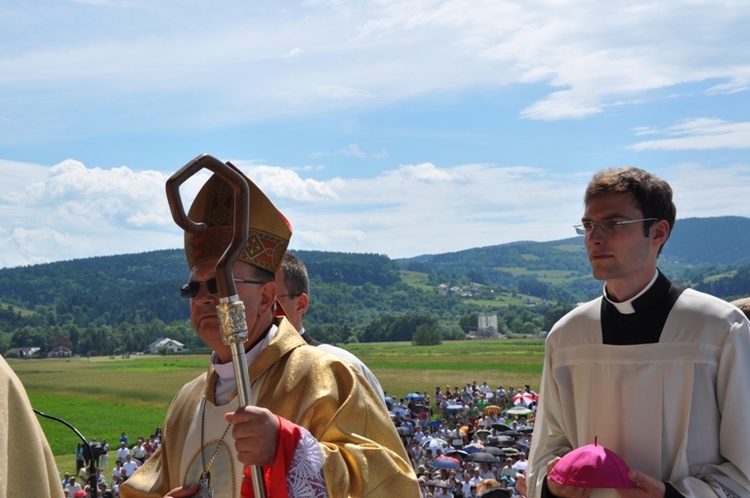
x=626, y=307
x=226, y=385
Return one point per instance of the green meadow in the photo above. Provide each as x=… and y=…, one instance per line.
x=103, y=396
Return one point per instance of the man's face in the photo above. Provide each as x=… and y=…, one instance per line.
x=624, y=258
x=292, y=304
x=203, y=306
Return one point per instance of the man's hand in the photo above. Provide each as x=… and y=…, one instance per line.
x=256, y=435
x=647, y=487
x=183, y=492
x=564, y=491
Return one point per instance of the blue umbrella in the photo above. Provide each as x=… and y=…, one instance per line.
x=413, y=396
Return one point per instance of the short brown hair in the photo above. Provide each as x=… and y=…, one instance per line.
x=652, y=195
x=295, y=274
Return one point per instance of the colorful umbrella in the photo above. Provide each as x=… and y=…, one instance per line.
x=492, y=410
x=445, y=462
x=523, y=398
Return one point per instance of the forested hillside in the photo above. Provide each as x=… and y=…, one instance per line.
x=122, y=303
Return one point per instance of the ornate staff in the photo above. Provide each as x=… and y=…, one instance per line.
x=230, y=310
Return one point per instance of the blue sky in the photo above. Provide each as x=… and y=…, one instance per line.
x=391, y=127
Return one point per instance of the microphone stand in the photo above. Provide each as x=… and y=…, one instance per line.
x=92, y=467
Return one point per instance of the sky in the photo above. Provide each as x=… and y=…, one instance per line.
x=392, y=127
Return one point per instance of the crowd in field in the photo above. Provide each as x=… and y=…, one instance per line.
x=125, y=458
x=456, y=439
x=464, y=442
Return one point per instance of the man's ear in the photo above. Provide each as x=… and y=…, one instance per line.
x=303, y=302
x=267, y=297
x=660, y=232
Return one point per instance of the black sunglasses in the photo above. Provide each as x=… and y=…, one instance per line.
x=190, y=290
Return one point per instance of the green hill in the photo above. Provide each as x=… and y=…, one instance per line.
x=119, y=303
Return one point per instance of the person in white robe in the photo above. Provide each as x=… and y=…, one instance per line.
x=652, y=371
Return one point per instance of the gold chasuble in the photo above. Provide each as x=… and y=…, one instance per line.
x=364, y=455
x=27, y=467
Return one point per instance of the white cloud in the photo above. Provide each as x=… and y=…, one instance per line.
x=70, y=210
x=22, y=246
x=705, y=192
x=739, y=83
x=353, y=150
x=294, y=53
x=697, y=134
x=590, y=55
x=424, y=173
x=419, y=209
x=75, y=211
x=288, y=184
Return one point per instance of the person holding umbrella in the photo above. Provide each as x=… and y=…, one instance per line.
x=307, y=405
x=647, y=349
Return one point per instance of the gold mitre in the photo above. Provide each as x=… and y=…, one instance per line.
x=268, y=232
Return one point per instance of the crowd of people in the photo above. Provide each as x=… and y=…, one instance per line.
x=126, y=457
x=462, y=442
x=470, y=441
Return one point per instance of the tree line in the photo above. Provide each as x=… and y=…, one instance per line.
x=109, y=304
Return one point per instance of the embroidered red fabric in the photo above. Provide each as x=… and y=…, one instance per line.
x=275, y=476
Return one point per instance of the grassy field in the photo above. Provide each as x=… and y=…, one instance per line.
x=103, y=397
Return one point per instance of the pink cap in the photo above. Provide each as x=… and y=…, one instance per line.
x=592, y=466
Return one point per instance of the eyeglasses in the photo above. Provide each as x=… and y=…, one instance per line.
x=607, y=227
x=190, y=290
x=290, y=296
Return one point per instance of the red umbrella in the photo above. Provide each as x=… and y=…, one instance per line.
x=523, y=398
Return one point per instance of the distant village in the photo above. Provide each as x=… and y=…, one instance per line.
x=163, y=345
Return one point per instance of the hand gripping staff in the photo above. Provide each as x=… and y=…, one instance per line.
x=230, y=310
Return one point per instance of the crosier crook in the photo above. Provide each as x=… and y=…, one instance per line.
x=230, y=310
